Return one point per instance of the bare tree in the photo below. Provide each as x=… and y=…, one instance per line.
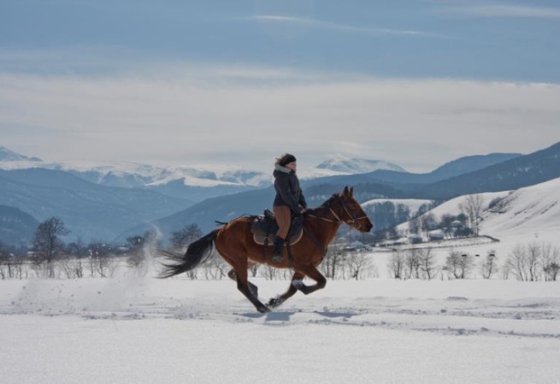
x=526, y=261
x=506, y=270
x=518, y=262
x=47, y=244
x=429, y=222
x=459, y=264
x=412, y=263
x=254, y=270
x=332, y=261
x=427, y=262
x=396, y=264
x=446, y=224
x=472, y=207
x=6, y=262
x=489, y=265
x=270, y=273
x=180, y=239
x=414, y=225
x=102, y=259
x=551, y=262
x=357, y=263
x=534, y=260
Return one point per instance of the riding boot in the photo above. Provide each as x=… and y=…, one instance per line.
x=278, y=242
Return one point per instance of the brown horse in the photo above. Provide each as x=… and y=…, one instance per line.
x=235, y=244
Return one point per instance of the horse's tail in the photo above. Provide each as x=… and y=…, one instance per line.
x=198, y=252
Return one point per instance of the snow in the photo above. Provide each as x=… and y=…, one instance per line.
x=526, y=215
x=201, y=175
x=347, y=165
x=150, y=175
x=385, y=331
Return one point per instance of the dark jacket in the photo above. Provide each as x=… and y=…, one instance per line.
x=288, y=191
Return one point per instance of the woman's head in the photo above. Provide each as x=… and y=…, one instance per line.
x=285, y=159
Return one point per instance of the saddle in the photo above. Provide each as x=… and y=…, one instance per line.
x=264, y=228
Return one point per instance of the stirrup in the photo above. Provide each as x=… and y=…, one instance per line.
x=277, y=257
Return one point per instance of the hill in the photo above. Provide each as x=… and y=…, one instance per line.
x=526, y=214
x=89, y=210
x=16, y=226
x=512, y=174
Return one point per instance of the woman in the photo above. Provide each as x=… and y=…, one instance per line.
x=289, y=200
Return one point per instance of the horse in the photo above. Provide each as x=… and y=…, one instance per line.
x=235, y=244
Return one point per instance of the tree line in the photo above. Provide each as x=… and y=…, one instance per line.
x=525, y=262
x=49, y=256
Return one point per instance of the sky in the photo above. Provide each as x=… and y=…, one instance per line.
x=416, y=83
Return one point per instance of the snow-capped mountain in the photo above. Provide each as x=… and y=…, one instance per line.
x=8, y=156
x=191, y=182
x=346, y=165
x=133, y=175
x=194, y=183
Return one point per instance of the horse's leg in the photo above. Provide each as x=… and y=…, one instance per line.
x=254, y=289
x=311, y=272
x=277, y=301
x=243, y=287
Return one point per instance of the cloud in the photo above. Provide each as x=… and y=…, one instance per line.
x=340, y=27
x=494, y=10
x=193, y=114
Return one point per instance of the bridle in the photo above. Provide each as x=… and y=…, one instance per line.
x=353, y=219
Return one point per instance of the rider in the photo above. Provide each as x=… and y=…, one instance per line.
x=289, y=199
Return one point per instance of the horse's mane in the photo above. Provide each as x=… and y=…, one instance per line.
x=327, y=203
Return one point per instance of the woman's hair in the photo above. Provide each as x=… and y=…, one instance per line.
x=286, y=158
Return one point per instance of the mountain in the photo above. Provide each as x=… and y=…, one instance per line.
x=193, y=183
x=469, y=164
x=175, y=181
x=411, y=181
x=513, y=174
x=7, y=155
x=102, y=201
x=89, y=210
x=353, y=165
x=16, y=226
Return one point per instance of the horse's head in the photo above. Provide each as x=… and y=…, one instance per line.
x=352, y=213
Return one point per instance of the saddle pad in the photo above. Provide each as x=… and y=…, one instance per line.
x=259, y=238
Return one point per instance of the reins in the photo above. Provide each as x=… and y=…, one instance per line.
x=338, y=220
x=354, y=219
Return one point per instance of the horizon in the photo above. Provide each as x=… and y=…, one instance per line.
x=415, y=83
x=79, y=164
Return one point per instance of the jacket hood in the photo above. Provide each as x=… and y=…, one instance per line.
x=281, y=169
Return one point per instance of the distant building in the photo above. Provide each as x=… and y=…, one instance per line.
x=436, y=235
x=414, y=239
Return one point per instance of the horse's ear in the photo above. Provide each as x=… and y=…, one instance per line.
x=345, y=193
x=352, y=191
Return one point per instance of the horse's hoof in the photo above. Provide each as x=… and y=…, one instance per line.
x=263, y=309
x=274, y=302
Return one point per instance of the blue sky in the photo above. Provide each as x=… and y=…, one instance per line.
x=418, y=83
